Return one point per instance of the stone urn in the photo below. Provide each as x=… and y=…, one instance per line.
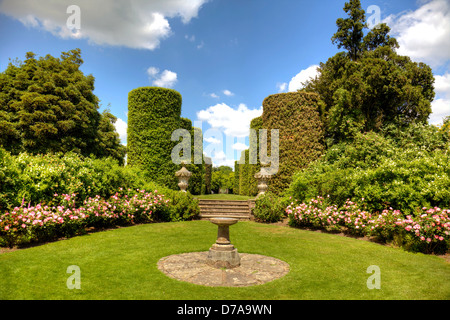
x=262, y=177
x=223, y=254
x=183, y=176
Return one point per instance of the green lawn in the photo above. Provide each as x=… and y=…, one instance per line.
x=121, y=264
x=223, y=197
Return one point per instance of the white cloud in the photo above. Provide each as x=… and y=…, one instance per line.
x=212, y=140
x=441, y=105
x=213, y=95
x=282, y=87
x=166, y=79
x=220, y=159
x=442, y=84
x=233, y=122
x=139, y=24
x=121, y=128
x=302, y=76
x=201, y=45
x=239, y=146
x=441, y=109
x=190, y=38
x=228, y=93
x=152, y=71
x=424, y=34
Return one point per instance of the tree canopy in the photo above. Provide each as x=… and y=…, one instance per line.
x=47, y=105
x=369, y=85
x=222, y=178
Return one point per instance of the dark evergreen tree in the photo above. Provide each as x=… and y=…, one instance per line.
x=47, y=105
x=369, y=85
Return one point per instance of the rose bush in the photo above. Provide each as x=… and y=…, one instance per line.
x=427, y=231
x=24, y=225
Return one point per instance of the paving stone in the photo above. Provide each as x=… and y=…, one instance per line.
x=254, y=270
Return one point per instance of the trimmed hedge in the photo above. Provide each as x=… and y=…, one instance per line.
x=153, y=114
x=245, y=182
x=244, y=169
x=296, y=116
x=196, y=181
x=256, y=124
x=236, y=189
x=208, y=175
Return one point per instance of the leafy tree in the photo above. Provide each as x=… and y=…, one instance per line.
x=222, y=178
x=48, y=105
x=370, y=85
x=350, y=30
x=108, y=139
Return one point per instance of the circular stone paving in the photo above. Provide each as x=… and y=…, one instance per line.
x=254, y=270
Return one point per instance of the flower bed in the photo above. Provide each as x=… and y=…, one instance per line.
x=41, y=223
x=427, y=231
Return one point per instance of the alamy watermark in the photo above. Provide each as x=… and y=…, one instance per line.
x=74, y=20
x=374, y=20
x=374, y=281
x=74, y=281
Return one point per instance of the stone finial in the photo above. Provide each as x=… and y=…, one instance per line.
x=183, y=176
x=263, y=176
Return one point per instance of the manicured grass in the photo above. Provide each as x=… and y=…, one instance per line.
x=223, y=197
x=122, y=264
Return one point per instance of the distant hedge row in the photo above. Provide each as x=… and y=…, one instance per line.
x=297, y=117
x=196, y=181
x=245, y=182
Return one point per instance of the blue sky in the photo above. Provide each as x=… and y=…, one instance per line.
x=223, y=56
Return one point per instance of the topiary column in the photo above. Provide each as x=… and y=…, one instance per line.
x=301, y=136
x=153, y=114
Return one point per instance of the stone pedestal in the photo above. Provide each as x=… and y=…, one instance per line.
x=223, y=254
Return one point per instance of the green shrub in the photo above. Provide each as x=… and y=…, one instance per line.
x=269, y=208
x=403, y=173
x=34, y=179
x=182, y=205
x=9, y=181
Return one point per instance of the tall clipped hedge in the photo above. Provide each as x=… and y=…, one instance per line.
x=296, y=116
x=244, y=168
x=208, y=174
x=236, y=189
x=153, y=114
x=196, y=181
x=256, y=124
x=245, y=182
